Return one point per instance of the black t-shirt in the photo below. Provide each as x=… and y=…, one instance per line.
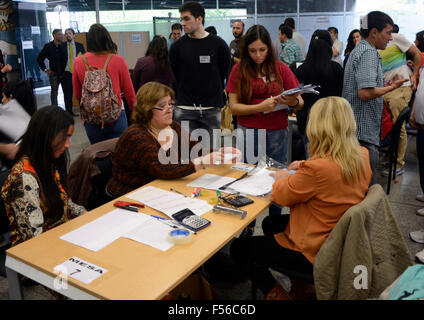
x=331, y=85
x=200, y=67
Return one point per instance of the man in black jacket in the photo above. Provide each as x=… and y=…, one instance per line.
x=52, y=52
x=201, y=63
x=70, y=49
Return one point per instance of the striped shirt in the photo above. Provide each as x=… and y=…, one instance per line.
x=364, y=70
x=290, y=52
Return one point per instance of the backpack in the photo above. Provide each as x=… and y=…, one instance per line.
x=99, y=103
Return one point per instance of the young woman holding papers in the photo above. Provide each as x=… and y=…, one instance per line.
x=155, y=146
x=334, y=178
x=254, y=86
x=35, y=191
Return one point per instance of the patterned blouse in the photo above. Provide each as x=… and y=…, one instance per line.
x=137, y=161
x=25, y=203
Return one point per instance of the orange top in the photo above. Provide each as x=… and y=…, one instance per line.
x=317, y=197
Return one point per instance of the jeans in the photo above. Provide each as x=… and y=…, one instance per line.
x=275, y=147
x=95, y=133
x=253, y=144
x=420, y=153
x=374, y=157
x=206, y=119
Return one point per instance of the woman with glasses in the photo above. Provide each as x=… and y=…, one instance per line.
x=155, y=146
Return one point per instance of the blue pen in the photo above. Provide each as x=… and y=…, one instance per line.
x=160, y=218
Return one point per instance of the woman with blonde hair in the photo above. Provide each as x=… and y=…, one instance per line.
x=153, y=146
x=334, y=178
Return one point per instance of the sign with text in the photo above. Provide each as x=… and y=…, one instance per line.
x=80, y=270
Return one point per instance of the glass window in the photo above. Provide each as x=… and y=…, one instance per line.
x=321, y=6
x=272, y=6
x=236, y=4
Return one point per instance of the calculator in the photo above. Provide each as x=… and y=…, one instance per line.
x=189, y=220
x=238, y=201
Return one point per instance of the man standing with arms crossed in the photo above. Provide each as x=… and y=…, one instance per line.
x=363, y=83
x=70, y=49
x=201, y=62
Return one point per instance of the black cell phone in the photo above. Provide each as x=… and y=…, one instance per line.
x=238, y=201
x=191, y=221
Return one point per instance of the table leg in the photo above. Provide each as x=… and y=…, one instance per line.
x=15, y=287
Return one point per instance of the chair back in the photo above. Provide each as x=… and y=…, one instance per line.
x=397, y=126
x=364, y=252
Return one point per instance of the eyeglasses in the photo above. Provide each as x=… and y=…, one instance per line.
x=165, y=107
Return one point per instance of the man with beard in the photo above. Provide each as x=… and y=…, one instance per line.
x=238, y=30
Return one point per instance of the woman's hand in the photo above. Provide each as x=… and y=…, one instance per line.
x=295, y=165
x=231, y=155
x=291, y=100
x=280, y=174
x=269, y=104
x=6, y=68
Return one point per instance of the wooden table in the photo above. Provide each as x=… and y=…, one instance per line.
x=135, y=270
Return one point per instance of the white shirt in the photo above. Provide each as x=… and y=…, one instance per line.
x=393, y=58
x=338, y=45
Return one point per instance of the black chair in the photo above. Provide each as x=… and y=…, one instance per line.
x=98, y=196
x=292, y=274
x=393, y=146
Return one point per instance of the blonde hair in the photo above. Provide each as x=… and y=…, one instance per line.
x=331, y=131
x=147, y=96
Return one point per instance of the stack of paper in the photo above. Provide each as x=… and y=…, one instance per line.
x=211, y=181
x=120, y=223
x=169, y=202
x=258, y=184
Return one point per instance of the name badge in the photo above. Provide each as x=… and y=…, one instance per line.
x=205, y=59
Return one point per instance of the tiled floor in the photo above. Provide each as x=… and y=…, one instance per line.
x=402, y=198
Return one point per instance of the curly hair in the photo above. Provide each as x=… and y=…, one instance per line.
x=147, y=96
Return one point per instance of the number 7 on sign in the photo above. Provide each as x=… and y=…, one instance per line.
x=76, y=271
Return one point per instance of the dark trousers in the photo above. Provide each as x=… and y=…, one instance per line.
x=374, y=157
x=67, y=90
x=255, y=255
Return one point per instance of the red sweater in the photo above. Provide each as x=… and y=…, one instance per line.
x=117, y=70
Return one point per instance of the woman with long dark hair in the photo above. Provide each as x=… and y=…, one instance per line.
x=35, y=192
x=154, y=66
x=100, y=48
x=352, y=40
x=318, y=69
x=22, y=92
x=254, y=86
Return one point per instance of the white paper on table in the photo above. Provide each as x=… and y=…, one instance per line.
x=210, y=181
x=152, y=233
x=169, y=202
x=99, y=233
x=258, y=184
x=118, y=223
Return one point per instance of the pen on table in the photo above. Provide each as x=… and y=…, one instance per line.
x=129, y=208
x=178, y=192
